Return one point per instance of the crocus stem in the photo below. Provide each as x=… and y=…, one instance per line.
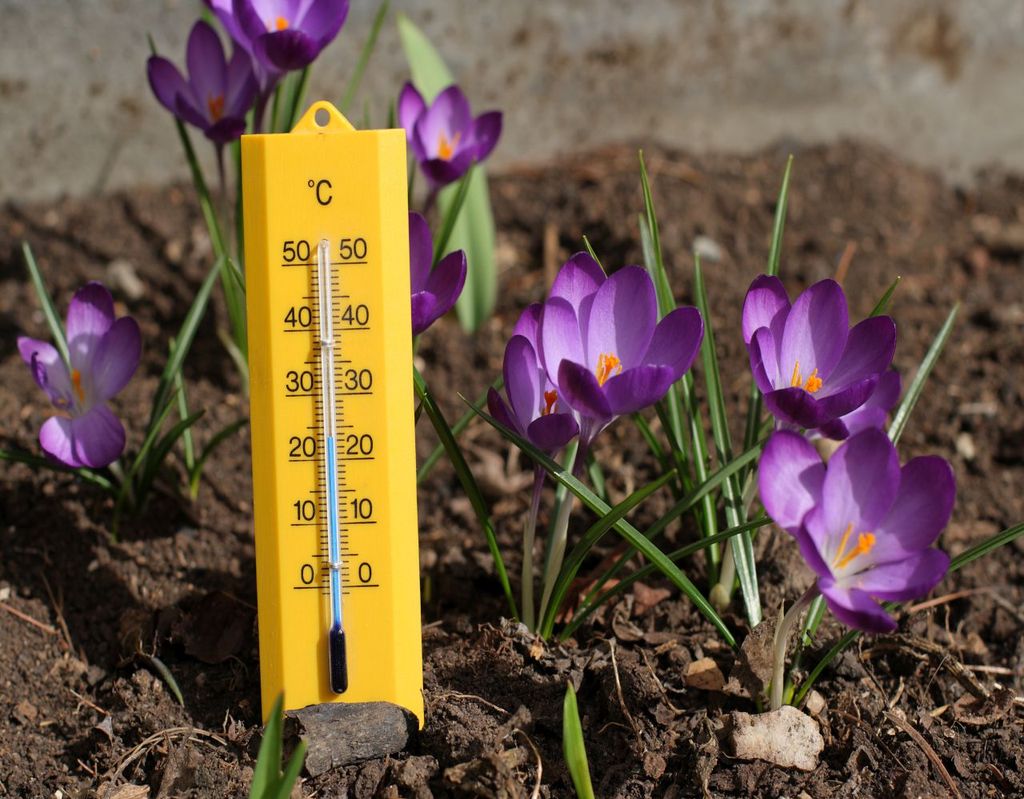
x=559, y=537
x=528, y=537
x=782, y=633
x=721, y=592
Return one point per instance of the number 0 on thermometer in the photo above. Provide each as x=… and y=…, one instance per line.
x=333, y=448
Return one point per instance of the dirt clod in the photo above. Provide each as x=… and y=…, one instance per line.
x=785, y=737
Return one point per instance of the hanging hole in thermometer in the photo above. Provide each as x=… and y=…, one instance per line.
x=336, y=657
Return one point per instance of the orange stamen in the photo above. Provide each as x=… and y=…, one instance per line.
x=865, y=543
x=445, y=148
x=550, y=401
x=607, y=366
x=281, y=24
x=76, y=381
x=216, y=107
x=813, y=383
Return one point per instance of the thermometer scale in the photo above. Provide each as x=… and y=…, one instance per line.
x=333, y=448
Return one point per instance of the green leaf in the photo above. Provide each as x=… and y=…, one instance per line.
x=52, y=318
x=158, y=454
x=573, y=746
x=735, y=514
x=291, y=773
x=451, y=215
x=961, y=560
x=197, y=470
x=469, y=484
x=188, y=445
x=168, y=678
x=265, y=777
x=298, y=93
x=775, y=251
x=457, y=428
x=883, y=304
x=364, y=57
x=474, y=233
x=622, y=527
x=20, y=456
x=429, y=72
x=906, y=407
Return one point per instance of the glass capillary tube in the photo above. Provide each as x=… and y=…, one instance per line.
x=336, y=634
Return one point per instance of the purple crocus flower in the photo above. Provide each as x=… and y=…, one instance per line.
x=603, y=346
x=281, y=35
x=444, y=137
x=810, y=366
x=434, y=291
x=863, y=524
x=533, y=409
x=218, y=93
x=104, y=353
x=872, y=414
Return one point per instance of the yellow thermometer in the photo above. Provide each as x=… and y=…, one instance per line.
x=333, y=447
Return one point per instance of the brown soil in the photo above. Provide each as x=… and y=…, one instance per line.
x=80, y=707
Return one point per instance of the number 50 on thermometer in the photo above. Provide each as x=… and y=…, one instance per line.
x=333, y=447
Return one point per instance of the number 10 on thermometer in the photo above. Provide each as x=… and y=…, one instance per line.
x=333, y=449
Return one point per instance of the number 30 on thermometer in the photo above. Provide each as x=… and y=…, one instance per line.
x=333, y=449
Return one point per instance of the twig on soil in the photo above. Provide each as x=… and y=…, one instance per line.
x=540, y=763
x=58, y=609
x=456, y=695
x=190, y=733
x=618, y=690
x=46, y=628
x=898, y=720
x=946, y=598
x=845, y=260
x=660, y=684
x=924, y=649
x=87, y=702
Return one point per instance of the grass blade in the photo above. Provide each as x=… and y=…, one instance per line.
x=906, y=406
x=469, y=484
x=291, y=773
x=735, y=514
x=883, y=304
x=573, y=746
x=779, y=225
x=364, y=57
x=19, y=456
x=168, y=678
x=212, y=444
x=457, y=428
x=451, y=215
x=622, y=527
x=187, y=443
x=268, y=763
x=52, y=318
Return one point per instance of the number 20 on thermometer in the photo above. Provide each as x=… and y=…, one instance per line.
x=333, y=448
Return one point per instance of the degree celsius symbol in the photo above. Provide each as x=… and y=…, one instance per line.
x=322, y=189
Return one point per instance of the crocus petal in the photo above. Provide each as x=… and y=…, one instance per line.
x=447, y=116
x=838, y=431
x=226, y=16
x=166, y=82
x=559, y=336
x=323, y=19
x=622, y=318
x=766, y=302
x=528, y=324
x=854, y=608
x=486, y=131
x=287, y=49
x=90, y=315
x=637, y=388
x=522, y=379
x=226, y=130
x=424, y=306
x=815, y=331
x=874, y=411
x=447, y=280
x=94, y=440
x=421, y=252
x=241, y=85
x=789, y=479
x=905, y=579
x=676, y=341
x=501, y=412
x=552, y=432
x=579, y=388
x=48, y=369
x=441, y=172
x=861, y=483
x=186, y=110
x=763, y=359
x=869, y=350
x=248, y=19
x=410, y=107
x=920, y=511
x=207, y=67
x=847, y=399
x=115, y=360
x=795, y=406
x=579, y=277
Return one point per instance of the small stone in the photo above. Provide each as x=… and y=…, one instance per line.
x=786, y=737
x=705, y=675
x=25, y=712
x=121, y=274
x=708, y=249
x=815, y=703
x=123, y=792
x=965, y=446
x=339, y=734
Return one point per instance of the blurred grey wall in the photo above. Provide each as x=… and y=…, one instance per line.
x=940, y=81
